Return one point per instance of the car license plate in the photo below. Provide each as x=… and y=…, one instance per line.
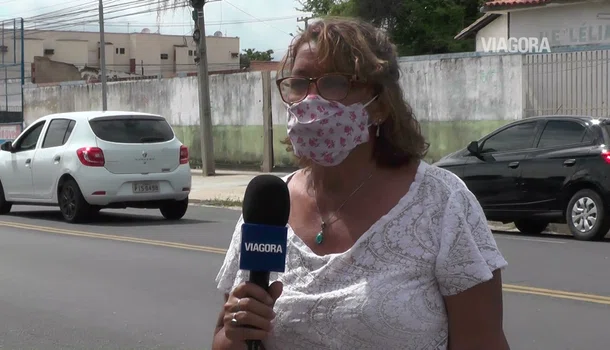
x=145, y=187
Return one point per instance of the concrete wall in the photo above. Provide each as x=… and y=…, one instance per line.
x=48, y=71
x=457, y=98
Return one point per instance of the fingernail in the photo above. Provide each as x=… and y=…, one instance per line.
x=269, y=300
x=274, y=314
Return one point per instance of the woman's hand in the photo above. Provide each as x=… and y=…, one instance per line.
x=250, y=306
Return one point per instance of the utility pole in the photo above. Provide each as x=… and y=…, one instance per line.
x=205, y=112
x=304, y=19
x=103, y=58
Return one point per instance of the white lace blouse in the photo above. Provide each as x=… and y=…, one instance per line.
x=386, y=292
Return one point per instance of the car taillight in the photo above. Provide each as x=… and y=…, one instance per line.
x=184, y=155
x=606, y=156
x=91, y=156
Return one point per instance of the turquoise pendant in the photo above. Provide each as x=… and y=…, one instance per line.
x=319, y=238
x=320, y=235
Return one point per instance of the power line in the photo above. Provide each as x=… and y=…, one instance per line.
x=258, y=19
x=58, y=24
x=208, y=23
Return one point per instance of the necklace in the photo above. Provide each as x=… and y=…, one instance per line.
x=324, y=224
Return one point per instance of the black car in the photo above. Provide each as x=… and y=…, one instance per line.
x=541, y=170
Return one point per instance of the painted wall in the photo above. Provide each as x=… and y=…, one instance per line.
x=563, y=25
x=498, y=28
x=568, y=25
x=456, y=99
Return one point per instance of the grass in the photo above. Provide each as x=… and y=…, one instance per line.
x=226, y=202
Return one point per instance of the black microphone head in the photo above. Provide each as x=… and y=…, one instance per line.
x=266, y=201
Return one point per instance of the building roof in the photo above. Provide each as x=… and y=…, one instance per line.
x=515, y=2
x=507, y=5
x=477, y=25
x=493, y=9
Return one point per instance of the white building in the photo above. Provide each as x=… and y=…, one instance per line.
x=563, y=23
x=142, y=53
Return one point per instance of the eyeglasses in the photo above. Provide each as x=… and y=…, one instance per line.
x=332, y=87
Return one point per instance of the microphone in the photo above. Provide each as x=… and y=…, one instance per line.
x=266, y=208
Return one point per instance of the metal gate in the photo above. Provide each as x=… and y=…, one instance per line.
x=574, y=82
x=12, y=78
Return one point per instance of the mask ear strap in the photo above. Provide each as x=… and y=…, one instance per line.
x=371, y=101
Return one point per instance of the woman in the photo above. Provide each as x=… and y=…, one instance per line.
x=384, y=250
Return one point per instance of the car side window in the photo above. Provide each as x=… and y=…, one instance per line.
x=30, y=139
x=56, y=133
x=69, y=131
x=515, y=138
x=561, y=133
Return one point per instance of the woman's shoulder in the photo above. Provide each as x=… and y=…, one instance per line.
x=433, y=187
x=442, y=180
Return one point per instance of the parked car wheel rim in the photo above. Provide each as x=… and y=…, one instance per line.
x=584, y=214
x=68, y=201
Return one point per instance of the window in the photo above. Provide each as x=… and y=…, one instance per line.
x=132, y=129
x=561, y=133
x=515, y=138
x=122, y=50
x=164, y=56
x=30, y=139
x=69, y=131
x=116, y=50
x=49, y=51
x=190, y=52
x=56, y=133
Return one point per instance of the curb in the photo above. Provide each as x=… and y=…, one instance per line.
x=202, y=203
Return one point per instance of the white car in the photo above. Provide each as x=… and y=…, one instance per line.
x=86, y=161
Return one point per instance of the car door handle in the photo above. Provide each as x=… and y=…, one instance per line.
x=569, y=162
x=56, y=159
x=28, y=162
x=513, y=165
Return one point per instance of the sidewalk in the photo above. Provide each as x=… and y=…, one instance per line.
x=227, y=187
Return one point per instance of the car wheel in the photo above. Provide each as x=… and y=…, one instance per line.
x=5, y=207
x=531, y=226
x=72, y=204
x=586, y=217
x=175, y=210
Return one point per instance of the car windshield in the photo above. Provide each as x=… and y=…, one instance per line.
x=129, y=129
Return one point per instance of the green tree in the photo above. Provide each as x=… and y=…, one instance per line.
x=254, y=55
x=250, y=55
x=417, y=27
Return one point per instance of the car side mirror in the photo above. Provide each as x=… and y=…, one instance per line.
x=473, y=148
x=7, y=146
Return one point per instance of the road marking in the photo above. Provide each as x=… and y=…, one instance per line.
x=529, y=239
x=513, y=288
x=113, y=237
x=556, y=295
x=592, y=298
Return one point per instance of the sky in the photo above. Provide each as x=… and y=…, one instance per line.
x=260, y=24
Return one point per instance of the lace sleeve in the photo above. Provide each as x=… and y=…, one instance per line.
x=230, y=275
x=468, y=253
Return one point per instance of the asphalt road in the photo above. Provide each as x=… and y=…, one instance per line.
x=130, y=280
